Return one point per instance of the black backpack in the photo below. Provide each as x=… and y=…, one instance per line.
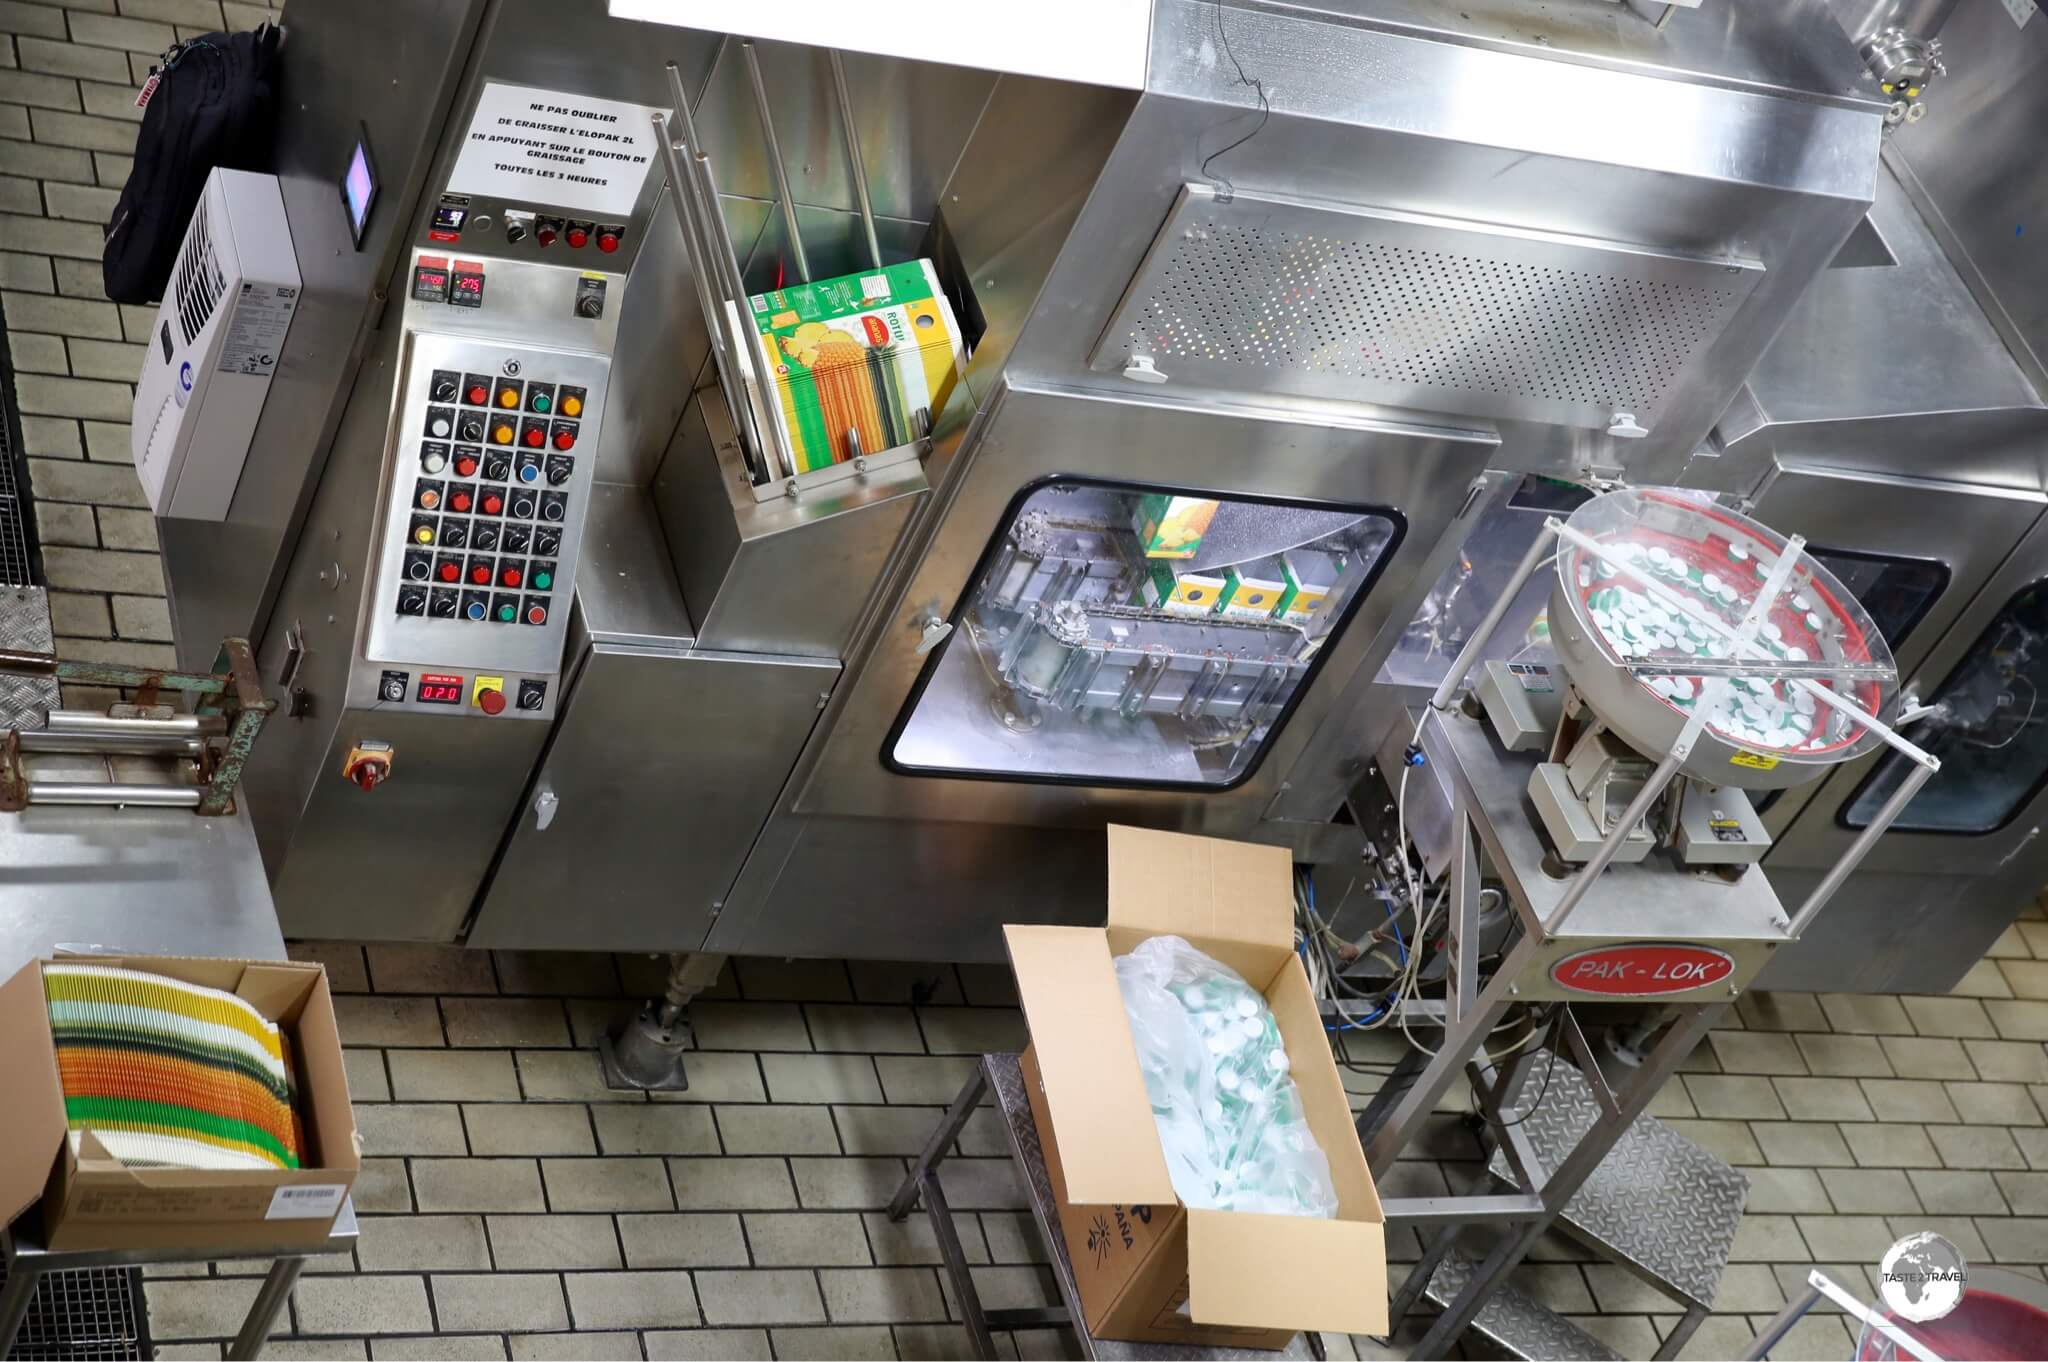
x=212, y=105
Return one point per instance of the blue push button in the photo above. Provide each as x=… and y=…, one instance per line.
x=476, y=610
x=529, y=473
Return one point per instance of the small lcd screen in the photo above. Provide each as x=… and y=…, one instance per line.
x=359, y=189
x=440, y=690
x=430, y=285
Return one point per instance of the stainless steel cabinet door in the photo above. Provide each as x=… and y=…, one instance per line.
x=661, y=773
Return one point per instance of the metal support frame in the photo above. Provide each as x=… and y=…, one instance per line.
x=784, y=200
x=228, y=716
x=922, y=1183
x=1818, y=1285
x=28, y=1262
x=1000, y=1076
x=1469, y=1016
x=1526, y=1217
x=854, y=161
x=644, y=1052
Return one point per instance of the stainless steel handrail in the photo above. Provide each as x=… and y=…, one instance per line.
x=786, y=200
x=853, y=158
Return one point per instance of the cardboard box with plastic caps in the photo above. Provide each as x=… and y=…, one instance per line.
x=1148, y=1268
x=92, y=1200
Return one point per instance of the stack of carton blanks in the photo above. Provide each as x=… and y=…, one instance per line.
x=1148, y=1268
x=92, y=1200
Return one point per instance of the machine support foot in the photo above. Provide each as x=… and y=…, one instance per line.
x=644, y=1053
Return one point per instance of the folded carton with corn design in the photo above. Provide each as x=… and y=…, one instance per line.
x=855, y=358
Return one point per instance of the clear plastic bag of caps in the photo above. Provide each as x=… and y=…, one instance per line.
x=1229, y=1115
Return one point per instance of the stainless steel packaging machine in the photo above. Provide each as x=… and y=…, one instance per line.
x=1282, y=329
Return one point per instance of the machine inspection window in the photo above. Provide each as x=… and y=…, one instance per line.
x=1991, y=735
x=1896, y=592
x=1114, y=634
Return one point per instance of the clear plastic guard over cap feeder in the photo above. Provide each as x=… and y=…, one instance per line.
x=1645, y=666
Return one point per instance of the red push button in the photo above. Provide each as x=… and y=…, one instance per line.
x=511, y=576
x=607, y=242
x=451, y=572
x=465, y=467
x=577, y=236
x=493, y=503
x=480, y=574
x=535, y=437
x=478, y=395
x=536, y=614
x=460, y=501
x=565, y=438
x=491, y=701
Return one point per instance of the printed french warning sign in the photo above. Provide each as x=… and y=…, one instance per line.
x=566, y=151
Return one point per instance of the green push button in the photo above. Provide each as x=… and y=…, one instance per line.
x=507, y=613
x=541, y=402
x=543, y=579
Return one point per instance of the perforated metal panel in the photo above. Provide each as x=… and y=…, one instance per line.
x=1264, y=294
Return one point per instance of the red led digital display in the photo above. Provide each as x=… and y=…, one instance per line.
x=469, y=283
x=437, y=689
x=430, y=284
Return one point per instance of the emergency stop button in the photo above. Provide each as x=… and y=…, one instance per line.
x=487, y=693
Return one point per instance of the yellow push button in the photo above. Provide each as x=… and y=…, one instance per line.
x=572, y=406
x=424, y=534
x=508, y=396
x=501, y=434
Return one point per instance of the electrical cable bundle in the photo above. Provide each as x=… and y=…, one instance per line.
x=169, y=1074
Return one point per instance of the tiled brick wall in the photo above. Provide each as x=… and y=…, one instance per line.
x=69, y=71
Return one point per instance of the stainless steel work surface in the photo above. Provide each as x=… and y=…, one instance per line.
x=153, y=881
x=1651, y=900
x=626, y=584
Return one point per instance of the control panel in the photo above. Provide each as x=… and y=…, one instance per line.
x=488, y=479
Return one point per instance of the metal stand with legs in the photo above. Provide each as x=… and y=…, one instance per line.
x=1003, y=1077
x=1633, y=1212
x=28, y=1262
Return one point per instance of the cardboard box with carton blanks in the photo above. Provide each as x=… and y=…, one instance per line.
x=94, y=1201
x=1148, y=1268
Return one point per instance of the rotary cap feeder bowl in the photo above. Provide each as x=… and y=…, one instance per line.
x=1635, y=639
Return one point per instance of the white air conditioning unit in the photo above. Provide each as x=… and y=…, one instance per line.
x=218, y=335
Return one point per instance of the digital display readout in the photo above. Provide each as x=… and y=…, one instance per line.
x=430, y=284
x=437, y=689
x=469, y=289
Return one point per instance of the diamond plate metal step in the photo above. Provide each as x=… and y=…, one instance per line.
x=1516, y=1324
x=1658, y=1204
x=25, y=624
x=17, y=538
